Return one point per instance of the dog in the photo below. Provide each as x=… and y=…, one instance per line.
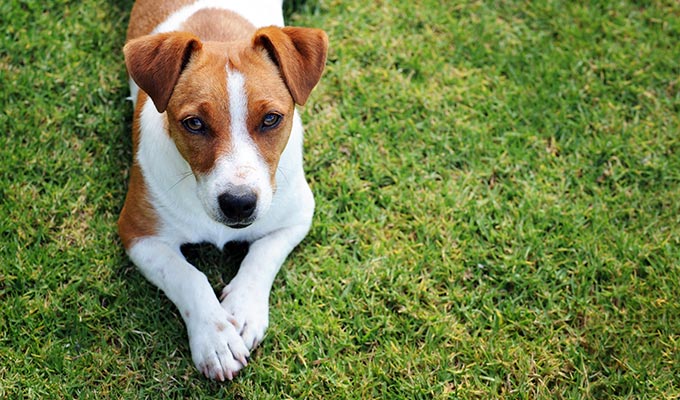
x=217, y=144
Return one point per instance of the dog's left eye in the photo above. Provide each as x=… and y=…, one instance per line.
x=270, y=121
x=194, y=125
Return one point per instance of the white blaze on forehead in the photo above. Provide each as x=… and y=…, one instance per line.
x=238, y=102
x=243, y=153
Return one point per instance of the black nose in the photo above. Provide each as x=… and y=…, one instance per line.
x=238, y=205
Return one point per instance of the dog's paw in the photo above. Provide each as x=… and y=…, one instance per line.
x=217, y=349
x=248, y=309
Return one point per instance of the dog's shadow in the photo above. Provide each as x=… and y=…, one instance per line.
x=219, y=266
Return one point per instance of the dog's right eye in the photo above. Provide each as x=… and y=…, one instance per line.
x=194, y=125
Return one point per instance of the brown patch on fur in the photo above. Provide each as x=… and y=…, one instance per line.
x=146, y=15
x=218, y=25
x=138, y=218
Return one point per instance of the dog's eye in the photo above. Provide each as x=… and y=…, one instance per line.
x=194, y=125
x=270, y=121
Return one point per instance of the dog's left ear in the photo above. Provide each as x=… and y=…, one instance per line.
x=300, y=54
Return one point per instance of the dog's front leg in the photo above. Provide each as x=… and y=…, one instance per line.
x=216, y=347
x=246, y=297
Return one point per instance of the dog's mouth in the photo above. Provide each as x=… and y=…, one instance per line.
x=238, y=225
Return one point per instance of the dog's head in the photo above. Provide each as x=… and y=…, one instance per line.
x=229, y=107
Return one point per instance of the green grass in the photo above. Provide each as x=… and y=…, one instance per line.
x=498, y=191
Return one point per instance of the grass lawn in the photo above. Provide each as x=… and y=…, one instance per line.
x=498, y=209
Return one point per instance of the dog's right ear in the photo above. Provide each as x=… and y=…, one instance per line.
x=155, y=63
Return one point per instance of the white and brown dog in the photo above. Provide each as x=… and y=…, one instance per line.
x=217, y=158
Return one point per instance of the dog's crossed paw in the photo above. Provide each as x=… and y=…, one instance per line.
x=217, y=349
x=248, y=310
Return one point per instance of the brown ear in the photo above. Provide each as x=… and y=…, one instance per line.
x=155, y=62
x=300, y=54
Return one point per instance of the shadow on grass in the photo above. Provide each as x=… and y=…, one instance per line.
x=123, y=6
x=291, y=7
x=219, y=266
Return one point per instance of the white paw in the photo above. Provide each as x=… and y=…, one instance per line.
x=248, y=309
x=216, y=347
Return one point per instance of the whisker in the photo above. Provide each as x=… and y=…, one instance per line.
x=184, y=176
